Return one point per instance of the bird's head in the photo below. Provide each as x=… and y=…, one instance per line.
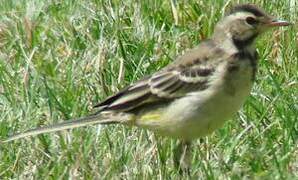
x=245, y=22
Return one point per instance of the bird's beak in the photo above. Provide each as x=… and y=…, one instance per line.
x=277, y=22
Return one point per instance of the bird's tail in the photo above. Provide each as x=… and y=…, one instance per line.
x=84, y=121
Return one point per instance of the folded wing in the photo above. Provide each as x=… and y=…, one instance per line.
x=168, y=84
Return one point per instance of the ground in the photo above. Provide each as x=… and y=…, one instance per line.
x=58, y=58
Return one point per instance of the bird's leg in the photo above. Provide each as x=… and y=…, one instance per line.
x=182, y=157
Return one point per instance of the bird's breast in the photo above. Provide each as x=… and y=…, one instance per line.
x=202, y=112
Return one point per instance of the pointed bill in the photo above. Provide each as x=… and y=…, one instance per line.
x=277, y=22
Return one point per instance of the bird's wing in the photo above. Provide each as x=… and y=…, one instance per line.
x=190, y=73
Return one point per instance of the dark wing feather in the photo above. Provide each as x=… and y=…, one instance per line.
x=189, y=73
x=161, y=86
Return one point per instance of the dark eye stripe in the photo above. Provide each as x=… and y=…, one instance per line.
x=251, y=21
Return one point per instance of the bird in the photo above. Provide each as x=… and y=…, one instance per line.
x=196, y=93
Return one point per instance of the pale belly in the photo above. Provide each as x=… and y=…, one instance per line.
x=200, y=113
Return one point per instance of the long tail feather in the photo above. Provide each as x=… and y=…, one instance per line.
x=84, y=121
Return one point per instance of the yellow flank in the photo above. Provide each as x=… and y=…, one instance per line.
x=152, y=120
x=153, y=116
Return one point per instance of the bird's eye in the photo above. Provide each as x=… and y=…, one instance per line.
x=251, y=21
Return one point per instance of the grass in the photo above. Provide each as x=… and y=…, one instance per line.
x=57, y=58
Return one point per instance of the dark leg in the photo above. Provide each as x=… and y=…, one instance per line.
x=182, y=157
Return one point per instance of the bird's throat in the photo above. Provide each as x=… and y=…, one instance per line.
x=242, y=44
